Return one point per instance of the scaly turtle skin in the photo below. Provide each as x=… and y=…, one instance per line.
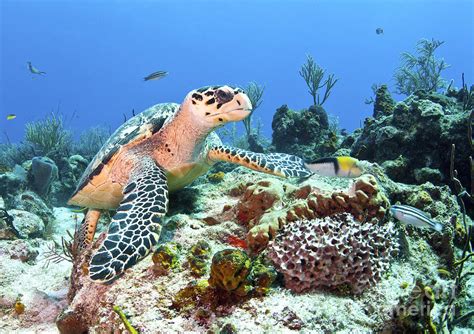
x=162, y=149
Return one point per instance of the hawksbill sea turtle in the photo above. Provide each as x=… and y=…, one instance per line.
x=162, y=149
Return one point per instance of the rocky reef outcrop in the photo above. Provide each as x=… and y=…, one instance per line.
x=412, y=139
x=306, y=133
x=338, y=227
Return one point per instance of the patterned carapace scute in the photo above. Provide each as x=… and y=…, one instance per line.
x=336, y=252
x=150, y=120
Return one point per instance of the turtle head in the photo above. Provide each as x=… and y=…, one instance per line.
x=214, y=106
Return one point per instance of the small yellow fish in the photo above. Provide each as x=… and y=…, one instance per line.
x=10, y=117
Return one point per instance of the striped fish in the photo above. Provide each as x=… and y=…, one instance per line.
x=340, y=166
x=412, y=216
x=156, y=75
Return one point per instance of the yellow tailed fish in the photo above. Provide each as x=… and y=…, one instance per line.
x=10, y=117
x=340, y=166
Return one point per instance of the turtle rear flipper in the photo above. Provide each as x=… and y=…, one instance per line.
x=135, y=227
x=279, y=164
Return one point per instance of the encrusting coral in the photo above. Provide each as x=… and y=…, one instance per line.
x=333, y=252
x=198, y=258
x=229, y=271
x=415, y=315
x=165, y=257
x=364, y=200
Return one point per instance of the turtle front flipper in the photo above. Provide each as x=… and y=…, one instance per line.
x=135, y=227
x=85, y=234
x=279, y=164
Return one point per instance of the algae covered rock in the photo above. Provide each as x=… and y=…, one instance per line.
x=384, y=103
x=12, y=182
x=27, y=224
x=415, y=315
x=23, y=250
x=198, y=258
x=412, y=139
x=229, y=271
x=166, y=257
x=31, y=202
x=304, y=133
x=216, y=177
x=262, y=276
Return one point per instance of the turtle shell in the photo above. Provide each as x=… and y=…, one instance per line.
x=150, y=120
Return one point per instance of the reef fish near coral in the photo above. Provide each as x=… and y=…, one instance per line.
x=339, y=166
x=412, y=216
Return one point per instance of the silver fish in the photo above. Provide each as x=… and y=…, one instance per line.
x=412, y=216
x=156, y=75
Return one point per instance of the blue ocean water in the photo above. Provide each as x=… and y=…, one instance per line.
x=96, y=53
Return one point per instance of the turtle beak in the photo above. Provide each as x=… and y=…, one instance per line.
x=238, y=109
x=238, y=114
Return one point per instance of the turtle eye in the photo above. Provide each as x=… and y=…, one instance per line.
x=223, y=96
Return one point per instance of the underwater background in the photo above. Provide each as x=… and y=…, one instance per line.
x=96, y=53
x=343, y=202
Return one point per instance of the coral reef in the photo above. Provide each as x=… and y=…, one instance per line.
x=306, y=133
x=333, y=252
x=27, y=224
x=180, y=303
x=412, y=139
x=194, y=294
x=313, y=74
x=48, y=137
x=364, y=200
x=255, y=92
x=415, y=315
x=422, y=71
